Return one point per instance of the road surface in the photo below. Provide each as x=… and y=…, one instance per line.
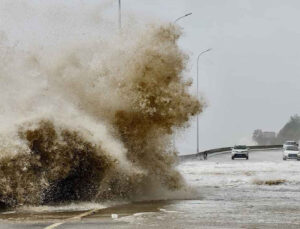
x=263, y=192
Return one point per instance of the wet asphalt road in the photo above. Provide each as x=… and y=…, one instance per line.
x=228, y=194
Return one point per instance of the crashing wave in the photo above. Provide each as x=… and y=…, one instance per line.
x=95, y=122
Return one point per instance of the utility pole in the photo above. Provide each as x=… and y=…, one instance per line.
x=200, y=54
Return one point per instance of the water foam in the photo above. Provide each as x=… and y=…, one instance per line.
x=91, y=121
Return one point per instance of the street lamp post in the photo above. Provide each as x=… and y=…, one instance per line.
x=120, y=22
x=182, y=17
x=200, y=54
x=186, y=15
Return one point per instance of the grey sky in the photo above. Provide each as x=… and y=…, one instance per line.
x=251, y=78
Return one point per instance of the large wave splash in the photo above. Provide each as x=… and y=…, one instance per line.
x=93, y=121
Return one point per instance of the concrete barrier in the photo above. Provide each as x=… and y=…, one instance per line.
x=216, y=151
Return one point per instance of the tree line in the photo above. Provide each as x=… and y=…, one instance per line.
x=290, y=131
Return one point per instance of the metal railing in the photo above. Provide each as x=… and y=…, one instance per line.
x=216, y=151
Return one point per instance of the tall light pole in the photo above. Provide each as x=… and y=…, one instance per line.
x=120, y=22
x=182, y=17
x=200, y=54
x=174, y=23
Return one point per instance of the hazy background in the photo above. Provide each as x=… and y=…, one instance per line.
x=250, y=79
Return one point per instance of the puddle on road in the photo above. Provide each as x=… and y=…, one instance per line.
x=56, y=215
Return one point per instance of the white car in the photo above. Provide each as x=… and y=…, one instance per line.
x=290, y=152
x=240, y=151
x=290, y=143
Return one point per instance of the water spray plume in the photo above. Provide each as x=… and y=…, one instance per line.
x=93, y=121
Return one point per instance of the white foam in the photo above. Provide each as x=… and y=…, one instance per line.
x=79, y=206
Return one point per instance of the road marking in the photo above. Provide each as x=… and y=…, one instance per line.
x=54, y=225
x=78, y=217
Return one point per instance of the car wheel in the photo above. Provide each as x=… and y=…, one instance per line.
x=232, y=158
x=284, y=158
x=247, y=157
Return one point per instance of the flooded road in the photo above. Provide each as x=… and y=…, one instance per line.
x=263, y=192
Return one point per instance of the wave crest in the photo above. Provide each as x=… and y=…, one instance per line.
x=115, y=110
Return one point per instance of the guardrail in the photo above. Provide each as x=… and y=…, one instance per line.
x=224, y=150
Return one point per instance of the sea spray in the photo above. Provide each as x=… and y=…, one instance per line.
x=94, y=120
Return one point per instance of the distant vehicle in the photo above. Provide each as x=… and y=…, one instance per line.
x=205, y=155
x=290, y=143
x=290, y=152
x=240, y=151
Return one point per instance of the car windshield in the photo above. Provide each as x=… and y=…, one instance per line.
x=292, y=148
x=291, y=143
x=240, y=147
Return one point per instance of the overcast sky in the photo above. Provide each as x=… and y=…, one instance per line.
x=251, y=77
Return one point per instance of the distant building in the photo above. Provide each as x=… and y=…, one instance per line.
x=269, y=137
x=264, y=137
x=269, y=134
